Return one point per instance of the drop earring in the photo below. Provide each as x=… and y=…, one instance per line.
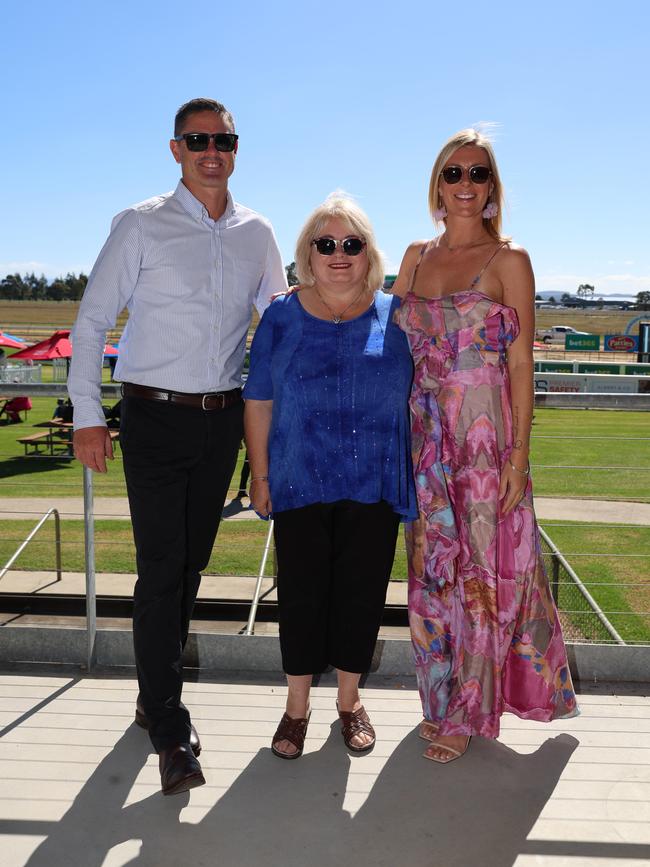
x=440, y=213
x=491, y=210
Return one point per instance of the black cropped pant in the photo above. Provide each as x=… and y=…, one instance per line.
x=178, y=463
x=334, y=563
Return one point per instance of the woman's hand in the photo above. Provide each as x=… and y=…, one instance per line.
x=260, y=497
x=512, y=487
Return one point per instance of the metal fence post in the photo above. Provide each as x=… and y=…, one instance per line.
x=91, y=600
x=57, y=544
x=555, y=580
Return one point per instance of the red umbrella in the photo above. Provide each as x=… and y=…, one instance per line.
x=5, y=340
x=56, y=346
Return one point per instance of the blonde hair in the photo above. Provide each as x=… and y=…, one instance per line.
x=339, y=206
x=469, y=136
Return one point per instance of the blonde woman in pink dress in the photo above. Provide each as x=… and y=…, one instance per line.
x=485, y=630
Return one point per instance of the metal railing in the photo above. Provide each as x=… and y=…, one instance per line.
x=565, y=582
x=25, y=543
x=258, y=595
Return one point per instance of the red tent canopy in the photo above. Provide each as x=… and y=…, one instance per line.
x=56, y=346
x=5, y=340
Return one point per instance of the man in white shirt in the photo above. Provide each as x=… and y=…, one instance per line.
x=188, y=265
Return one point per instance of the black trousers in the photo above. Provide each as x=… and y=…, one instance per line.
x=178, y=463
x=334, y=563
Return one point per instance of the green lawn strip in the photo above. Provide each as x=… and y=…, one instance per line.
x=617, y=583
x=238, y=549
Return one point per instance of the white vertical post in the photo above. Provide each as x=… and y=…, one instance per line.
x=91, y=599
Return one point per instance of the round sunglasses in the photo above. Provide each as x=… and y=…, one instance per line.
x=199, y=141
x=351, y=246
x=476, y=174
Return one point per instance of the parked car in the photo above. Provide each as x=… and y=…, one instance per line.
x=557, y=333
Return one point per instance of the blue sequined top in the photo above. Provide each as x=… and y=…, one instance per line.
x=340, y=424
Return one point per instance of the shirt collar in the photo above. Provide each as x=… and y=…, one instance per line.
x=197, y=209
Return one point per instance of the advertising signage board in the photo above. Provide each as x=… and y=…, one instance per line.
x=595, y=384
x=582, y=342
x=621, y=343
x=590, y=367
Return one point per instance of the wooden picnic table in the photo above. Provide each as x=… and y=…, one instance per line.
x=56, y=440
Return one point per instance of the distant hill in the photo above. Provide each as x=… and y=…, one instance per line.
x=606, y=296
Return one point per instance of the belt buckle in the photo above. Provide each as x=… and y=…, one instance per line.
x=208, y=396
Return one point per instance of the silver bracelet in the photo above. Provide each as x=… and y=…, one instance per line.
x=525, y=472
x=260, y=479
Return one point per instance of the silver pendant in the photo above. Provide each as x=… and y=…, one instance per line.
x=337, y=320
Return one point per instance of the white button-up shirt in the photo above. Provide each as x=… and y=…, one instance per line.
x=189, y=283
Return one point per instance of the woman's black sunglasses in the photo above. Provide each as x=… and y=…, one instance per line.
x=351, y=246
x=199, y=141
x=476, y=174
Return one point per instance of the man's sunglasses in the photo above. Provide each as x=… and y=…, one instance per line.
x=351, y=246
x=199, y=141
x=476, y=174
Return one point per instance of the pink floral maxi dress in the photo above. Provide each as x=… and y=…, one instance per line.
x=485, y=630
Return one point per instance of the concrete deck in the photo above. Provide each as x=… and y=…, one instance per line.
x=79, y=785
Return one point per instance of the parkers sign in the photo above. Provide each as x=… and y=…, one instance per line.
x=621, y=343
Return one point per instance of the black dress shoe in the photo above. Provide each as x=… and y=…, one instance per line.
x=180, y=770
x=143, y=722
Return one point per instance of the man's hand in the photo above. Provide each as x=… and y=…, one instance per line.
x=92, y=445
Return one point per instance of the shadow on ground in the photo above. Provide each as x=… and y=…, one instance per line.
x=478, y=811
x=31, y=464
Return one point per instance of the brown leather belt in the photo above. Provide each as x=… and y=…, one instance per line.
x=211, y=401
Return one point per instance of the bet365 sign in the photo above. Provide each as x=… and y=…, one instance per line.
x=582, y=342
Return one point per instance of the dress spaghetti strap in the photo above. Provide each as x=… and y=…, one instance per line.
x=477, y=279
x=417, y=265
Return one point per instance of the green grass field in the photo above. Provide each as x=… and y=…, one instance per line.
x=571, y=451
x=38, y=476
x=561, y=438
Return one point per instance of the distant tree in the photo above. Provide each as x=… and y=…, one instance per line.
x=76, y=286
x=643, y=300
x=57, y=291
x=566, y=298
x=538, y=298
x=552, y=300
x=586, y=290
x=13, y=288
x=292, y=279
x=38, y=286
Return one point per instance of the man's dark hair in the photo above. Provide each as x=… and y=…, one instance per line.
x=201, y=104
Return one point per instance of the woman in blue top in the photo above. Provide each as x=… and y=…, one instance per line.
x=327, y=432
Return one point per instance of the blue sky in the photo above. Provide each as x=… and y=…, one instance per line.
x=358, y=96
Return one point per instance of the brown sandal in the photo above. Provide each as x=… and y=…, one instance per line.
x=354, y=723
x=292, y=730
